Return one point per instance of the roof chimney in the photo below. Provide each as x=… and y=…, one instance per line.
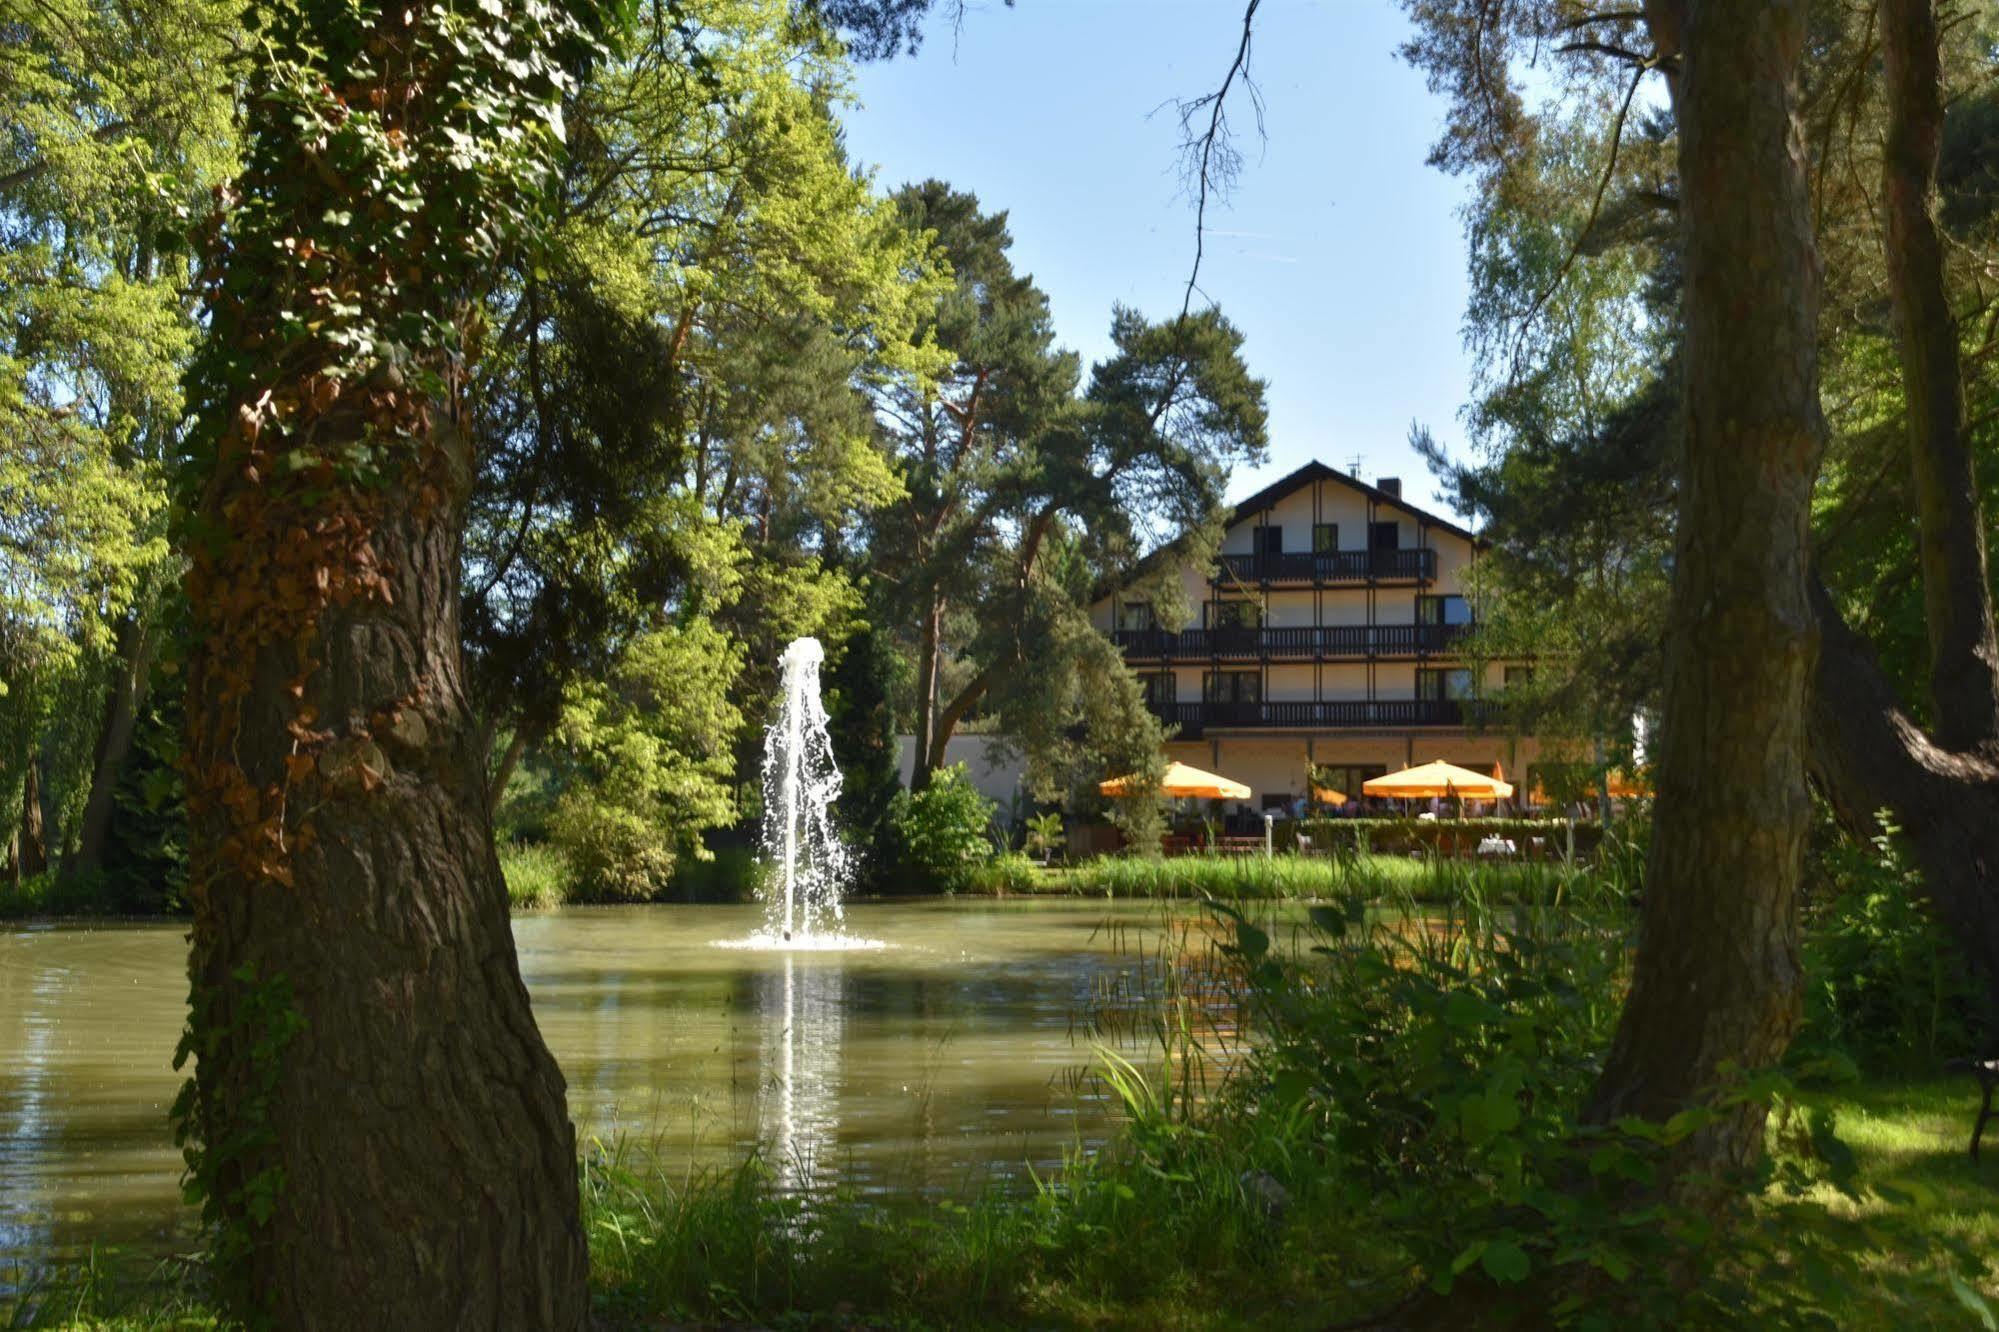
x=1390, y=485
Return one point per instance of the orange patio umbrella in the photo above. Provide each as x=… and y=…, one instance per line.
x=1181, y=780
x=1326, y=795
x=1438, y=778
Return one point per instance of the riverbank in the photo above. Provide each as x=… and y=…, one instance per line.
x=1286, y=876
x=1117, y=1244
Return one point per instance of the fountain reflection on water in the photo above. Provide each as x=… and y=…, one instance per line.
x=800, y=1094
x=806, y=864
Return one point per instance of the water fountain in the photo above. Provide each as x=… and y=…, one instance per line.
x=806, y=862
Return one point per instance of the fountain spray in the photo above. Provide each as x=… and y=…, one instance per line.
x=801, y=782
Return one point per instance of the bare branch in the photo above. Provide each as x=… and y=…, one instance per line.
x=1595, y=210
x=1212, y=160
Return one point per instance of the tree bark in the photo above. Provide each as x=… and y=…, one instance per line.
x=928, y=669
x=429, y=1165
x=380, y=1131
x=1964, y=659
x=114, y=740
x=32, y=855
x=948, y=718
x=510, y=759
x=1870, y=758
x=1716, y=978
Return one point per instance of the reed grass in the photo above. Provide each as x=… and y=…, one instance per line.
x=538, y=876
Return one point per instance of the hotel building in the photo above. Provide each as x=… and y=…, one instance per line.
x=1329, y=633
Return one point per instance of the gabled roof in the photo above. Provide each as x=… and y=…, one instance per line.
x=1318, y=471
x=1275, y=491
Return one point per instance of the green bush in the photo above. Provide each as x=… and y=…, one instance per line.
x=727, y=874
x=538, y=876
x=617, y=854
x=1887, y=986
x=938, y=836
x=1011, y=872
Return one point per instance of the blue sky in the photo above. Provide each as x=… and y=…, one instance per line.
x=1339, y=254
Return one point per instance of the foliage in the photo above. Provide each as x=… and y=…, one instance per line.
x=1885, y=986
x=1436, y=1079
x=649, y=758
x=1397, y=882
x=1005, y=874
x=675, y=384
x=1140, y=812
x=1045, y=834
x=1027, y=498
x=119, y=124
x=538, y=876
x=938, y=835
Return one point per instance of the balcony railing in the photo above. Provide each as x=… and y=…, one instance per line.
x=1339, y=566
x=1309, y=643
x=1332, y=714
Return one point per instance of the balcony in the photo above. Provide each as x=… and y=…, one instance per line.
x=1327, y=715
x=1299, y=644
x=1341, y=566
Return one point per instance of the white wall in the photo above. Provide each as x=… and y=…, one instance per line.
x=998, y=775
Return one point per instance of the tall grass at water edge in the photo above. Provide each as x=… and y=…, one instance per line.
x=1427, y=879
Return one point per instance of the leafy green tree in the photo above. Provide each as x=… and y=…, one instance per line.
x=676, y=389
x=1861, y=219
x=654, y=745
x=1026, y=497
x=118, y=124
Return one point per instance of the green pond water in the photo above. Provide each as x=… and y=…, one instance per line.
x=949, y=1056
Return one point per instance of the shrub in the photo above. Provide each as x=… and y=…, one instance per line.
x=617, y=854
x=1887, y=986
x=538, y=876
x=1008, y=873
x=1459, y=837
x=938, y=834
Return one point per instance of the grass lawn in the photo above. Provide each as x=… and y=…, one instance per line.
x=1911, y=1138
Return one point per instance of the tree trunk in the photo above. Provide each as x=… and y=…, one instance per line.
x=928, y=669
x=1964, y=661
x=948, y=718
x=509, y=760
x=1716, y=978
x=380, y=1132
x=32, y=857
x=114, y=740
x=428, y=1163
x=1870, y=758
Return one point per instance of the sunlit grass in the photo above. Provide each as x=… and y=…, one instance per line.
x=1912, y=1139
x=538, y=876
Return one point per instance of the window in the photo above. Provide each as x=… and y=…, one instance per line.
x=1449, y=609
x=1384, y=536
x=1449, y=683
x=1242, y=614
x=1270, y=540
x=1347, y=778
x=1233, y=687
x=1276, y=802
x=1519, y=675
x=1325, y=538
x=1161, y=690
x=1136, y=615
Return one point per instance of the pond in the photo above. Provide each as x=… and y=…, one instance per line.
x=947, y=1057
